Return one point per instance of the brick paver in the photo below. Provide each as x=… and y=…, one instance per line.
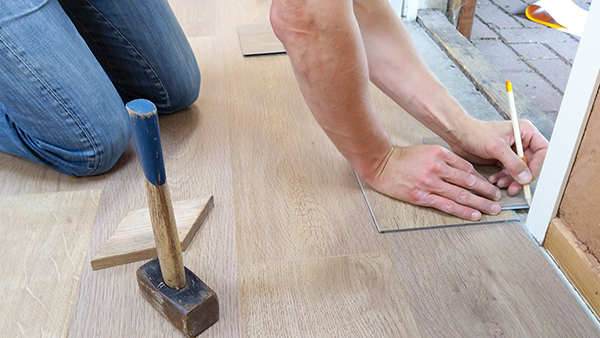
x=536, y=58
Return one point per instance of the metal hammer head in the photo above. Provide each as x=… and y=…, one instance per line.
x=191, y=309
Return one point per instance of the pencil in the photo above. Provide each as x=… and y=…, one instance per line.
x=517, y=132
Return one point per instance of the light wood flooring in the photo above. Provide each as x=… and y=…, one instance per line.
x=290, y=246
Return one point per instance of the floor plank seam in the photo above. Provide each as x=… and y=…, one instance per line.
x=449, y=226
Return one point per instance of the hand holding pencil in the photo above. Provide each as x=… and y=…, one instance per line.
x=517, y=132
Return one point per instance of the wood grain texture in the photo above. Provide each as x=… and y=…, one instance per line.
x=290, y=216
x=197, y=17
x=19, y=177
x=484, y=281
x=574, y=258
x=258, y=39
x=301, y=190
x=133, y=239
x=579, y=206
x=487, y=78
x=391, y=214
x=43, y=240
x=350, y=296
x=196, y=151
x=465, y=17
x=164, y=228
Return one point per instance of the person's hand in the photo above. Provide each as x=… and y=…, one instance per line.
x=433, y=176
x=493, y=142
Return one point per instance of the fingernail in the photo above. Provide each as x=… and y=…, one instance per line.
x=496, y=208
x=476, y=215
x=524, y=177
x=498, y=195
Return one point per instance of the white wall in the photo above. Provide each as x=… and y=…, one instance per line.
x=434, y=4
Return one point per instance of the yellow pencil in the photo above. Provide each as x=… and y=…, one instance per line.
x=517, y=132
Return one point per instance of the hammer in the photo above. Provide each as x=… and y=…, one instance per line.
x=171, y=288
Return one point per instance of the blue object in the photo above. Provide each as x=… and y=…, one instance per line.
x=144, y=120
x=58, y=104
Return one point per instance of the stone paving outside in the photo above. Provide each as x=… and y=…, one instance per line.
x=537, y=59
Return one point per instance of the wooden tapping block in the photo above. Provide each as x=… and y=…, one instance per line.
x=133, y=241
x=175, y=292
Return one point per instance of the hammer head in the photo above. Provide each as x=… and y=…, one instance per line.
x=191, y=309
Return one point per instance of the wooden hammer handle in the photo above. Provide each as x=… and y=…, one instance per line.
x=144, y=120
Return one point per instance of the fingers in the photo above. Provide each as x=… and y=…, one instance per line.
x=434, y=177
x=449, y=206
x=475, y=183
x=462, y=173
x=513, y=164
x=452, y=193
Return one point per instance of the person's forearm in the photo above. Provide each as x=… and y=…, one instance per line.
x=397, y=69
x=324, y=44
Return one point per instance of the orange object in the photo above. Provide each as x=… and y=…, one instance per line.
x=537, y=14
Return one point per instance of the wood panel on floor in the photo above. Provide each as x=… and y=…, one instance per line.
x=259, y=38
x=44, y=239
x=196, y=151
x=484, y=281
x=19, y=177
x=391, y=214
x=197, y=17
x=350, y=296
x=295, y=196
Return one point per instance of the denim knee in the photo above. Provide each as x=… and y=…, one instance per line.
x=107, y=145
x=183, y=92
x=109, y=151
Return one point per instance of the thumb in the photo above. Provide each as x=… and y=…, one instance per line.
x=514, y=164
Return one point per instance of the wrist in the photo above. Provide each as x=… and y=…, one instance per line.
x=447, y=118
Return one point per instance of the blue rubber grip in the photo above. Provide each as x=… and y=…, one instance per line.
x=144, y=120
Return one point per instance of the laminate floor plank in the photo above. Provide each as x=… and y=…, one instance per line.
x=295, y=196
x=349, y=296
x=196, y=151
x=259, y=38
x=290, y=247
x=21, y=177
x=484, y=281
x=391, y=214
x=44, y=239
x=197, y=17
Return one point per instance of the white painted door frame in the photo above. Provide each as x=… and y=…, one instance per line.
x=406, y=9
x=570, y=124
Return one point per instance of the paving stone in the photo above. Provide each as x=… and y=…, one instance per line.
x=501, y=56
x=512, y=6
x=533, y=51
x=493, y=15
x=556, y=71
x=537, y=90
x=565, y=49
x=543, y=34
x=482, y=31
x=524, y=20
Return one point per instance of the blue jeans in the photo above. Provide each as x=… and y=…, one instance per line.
x=68, y=66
